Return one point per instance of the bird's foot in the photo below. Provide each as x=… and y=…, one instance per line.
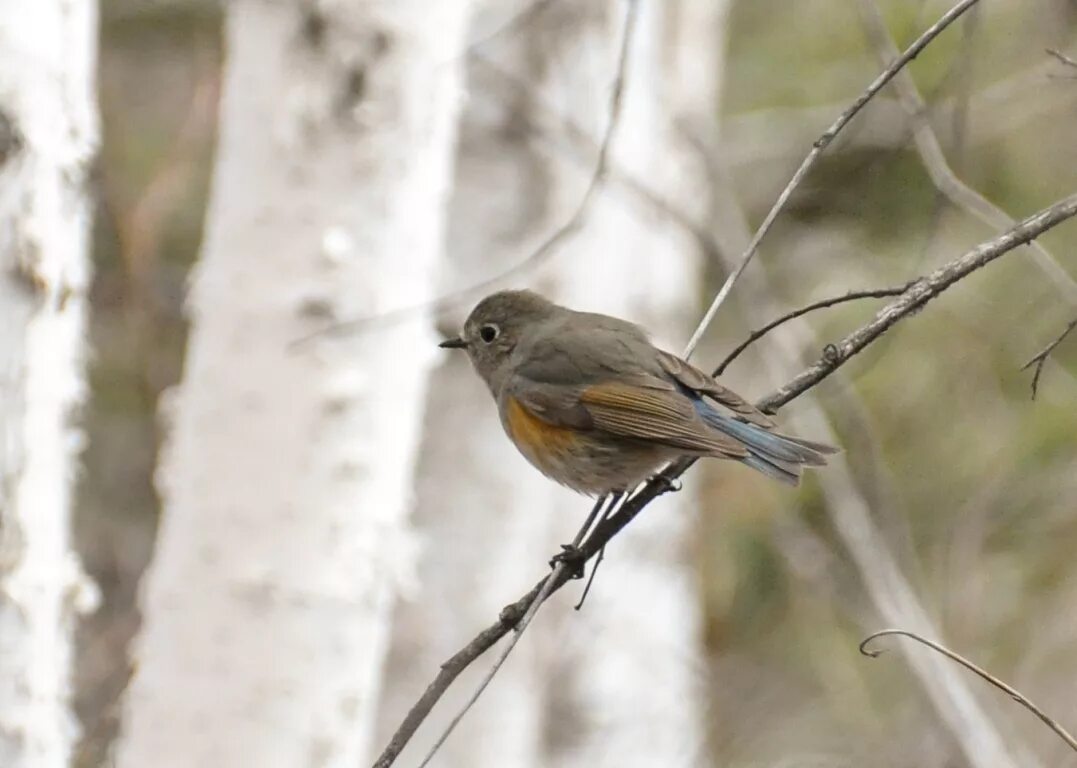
x=667, y=484
x=572, y=558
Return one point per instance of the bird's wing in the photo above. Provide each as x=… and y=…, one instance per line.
x=696, y=380
x=642, y=407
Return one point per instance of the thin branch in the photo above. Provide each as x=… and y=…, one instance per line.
x=833, y=301
x=547, y=247
x=848, y=503
x=511, y=25
x=914, y=298
x=934, y=159
x=1063, y=58
x=964, y=77
x=817, y=149
x=580, y=144
x=1013, y=693
x=922, y=291
x=1040, y=359
x=559, y=571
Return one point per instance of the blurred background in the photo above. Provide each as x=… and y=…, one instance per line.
x=967, y=486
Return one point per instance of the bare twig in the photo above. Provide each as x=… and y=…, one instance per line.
x=514, y=22
x=1013, y=693
x=854, y=511
x=1069, y=62
x=833, y=301
x=914, y=298
x=934, y=159
x=771, y=134
x=567, y=229
x=817, y=149
x=922, y=291
x=963, y=76
x=1040, y=359
x=559, y=572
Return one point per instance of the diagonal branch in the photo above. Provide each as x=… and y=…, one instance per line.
x=921, y=292
x=914, y=298
x=934, y=159
x=1068, y=61
x=892, y=69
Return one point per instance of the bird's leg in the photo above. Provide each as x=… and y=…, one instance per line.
x=615, y=500
x=570, y=554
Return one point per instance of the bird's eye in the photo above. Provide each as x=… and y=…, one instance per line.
x=489, y=332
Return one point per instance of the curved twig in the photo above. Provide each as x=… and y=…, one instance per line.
x=817, y=149
x=1041, y=358
x=755, y=336
x=1012, y=692
x=918, y=294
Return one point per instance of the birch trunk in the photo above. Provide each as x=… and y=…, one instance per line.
x=629, y=687
x=618, y=683
x=485, y=516
x=286, y=480
x=48, y=134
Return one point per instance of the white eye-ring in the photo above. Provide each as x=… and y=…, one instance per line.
x=489, y=332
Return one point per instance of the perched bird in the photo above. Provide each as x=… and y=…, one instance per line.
x=590, y=402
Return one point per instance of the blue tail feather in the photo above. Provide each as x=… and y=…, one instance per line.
x=777, y=456
x=773, y=471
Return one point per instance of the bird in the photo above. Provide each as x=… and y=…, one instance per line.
x=594, y=405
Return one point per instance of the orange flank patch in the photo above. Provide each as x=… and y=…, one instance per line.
x=536, y=438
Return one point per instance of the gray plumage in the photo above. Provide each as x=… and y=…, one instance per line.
x=589, y=401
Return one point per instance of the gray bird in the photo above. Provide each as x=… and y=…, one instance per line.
x=590, y=402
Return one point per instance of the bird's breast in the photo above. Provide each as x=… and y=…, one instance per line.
x=543, y=444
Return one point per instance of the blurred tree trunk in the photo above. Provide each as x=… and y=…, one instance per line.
x=619, y=683
x=48, y=134
x=285, y=481
x=629, y=689
x=485, y=515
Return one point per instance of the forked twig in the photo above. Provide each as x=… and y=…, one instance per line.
x=1013, y=693
x=559, y=572
x=817, y=149
x=1041, y=358
x=938, y=168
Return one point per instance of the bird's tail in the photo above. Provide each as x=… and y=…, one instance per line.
x=778, y=456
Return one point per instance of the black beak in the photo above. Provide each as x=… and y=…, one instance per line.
x=456, y=343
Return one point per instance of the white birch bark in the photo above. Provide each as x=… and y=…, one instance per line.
x=286, y=479
x=483, y=513
x=48, y=134
x=631, y=688
x=618, y=684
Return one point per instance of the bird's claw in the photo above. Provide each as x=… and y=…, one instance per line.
x=572, y=558
x=667, y=484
